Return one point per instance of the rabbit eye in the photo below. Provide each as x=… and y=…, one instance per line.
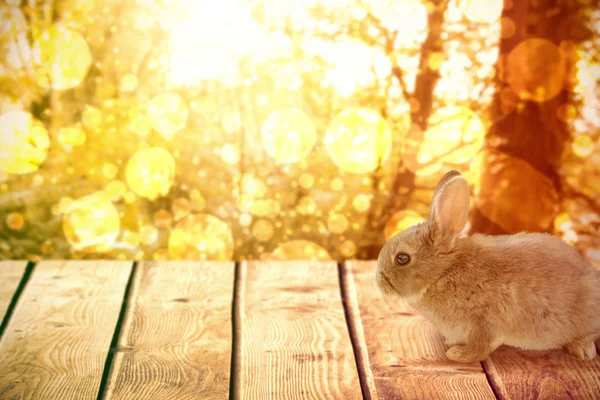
x=402, y=259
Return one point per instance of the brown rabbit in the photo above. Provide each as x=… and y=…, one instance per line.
x=528, y=290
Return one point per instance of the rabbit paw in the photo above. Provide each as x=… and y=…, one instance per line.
x=464, y=354
x=581, y=351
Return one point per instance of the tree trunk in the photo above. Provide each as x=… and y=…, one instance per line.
x=383, y=206
x=519, y=187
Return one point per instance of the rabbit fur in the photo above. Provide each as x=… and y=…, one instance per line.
x=528, y=290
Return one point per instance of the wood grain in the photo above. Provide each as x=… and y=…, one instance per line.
x=176, y=337
x=11, y=273
x=403, y=353
x=517, y=374
x=57, y=341
x=292, y=337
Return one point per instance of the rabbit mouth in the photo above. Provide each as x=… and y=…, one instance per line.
x=387, y=287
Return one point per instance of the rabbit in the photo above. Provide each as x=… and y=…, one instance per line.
x=532, y=291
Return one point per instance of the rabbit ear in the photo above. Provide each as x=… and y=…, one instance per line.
x=449, y=175
x=450, y=206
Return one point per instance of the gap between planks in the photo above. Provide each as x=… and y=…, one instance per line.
x=355, y=330
x=15, y=298
x=236, y=322
x=490, y=379
x=108, y=364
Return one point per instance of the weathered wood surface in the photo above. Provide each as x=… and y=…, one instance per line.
x=517, y=374
x=11, y=273
x=57, y=340
x=403, y=354
x=176, y=337
x=292, y=340
x=291, y=331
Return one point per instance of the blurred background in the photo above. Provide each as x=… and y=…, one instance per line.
x=296, y=129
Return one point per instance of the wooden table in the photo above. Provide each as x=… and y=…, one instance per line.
x=260, y=330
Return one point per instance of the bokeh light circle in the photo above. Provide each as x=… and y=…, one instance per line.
x=507, y=27
x=348, y=248
x=71, y=136
x=536, y=70
x=337, y=223
x=148, y=234
x=252, y=190
x=110, y=170
x=91, y=224
x=337, y=184
x=362, y=202
x=264, y=208
x=358, y=140
x=62, y=57
x=230, y=154
x=306, y=205
x=401, y=221
x=168, y=114
x=115, y=190
x=91, y=118
x=306, y=180
x=201, y=237
x=24, y=143
x=262, y=230
x=300, y=250
x=583, y=145
x=15, y=221
x=455, y=135
x=198, y=203
x=245, y=219
x=503, y=192
x=150, y=172
x=288, y=135
x=566, y=112
x=47, y=247
x=129, y=83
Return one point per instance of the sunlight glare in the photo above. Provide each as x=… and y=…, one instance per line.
x=407, y=17
x=206, y=43
x=486, y=11
x=352, y=63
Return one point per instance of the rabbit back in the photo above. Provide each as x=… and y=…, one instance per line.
x=533, y=290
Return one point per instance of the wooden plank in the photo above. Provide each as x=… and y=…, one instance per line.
x=517, y=374
x=403, y=354
x=11, y=273
x=176, y=336
x=56, y=343
x=291, y=332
